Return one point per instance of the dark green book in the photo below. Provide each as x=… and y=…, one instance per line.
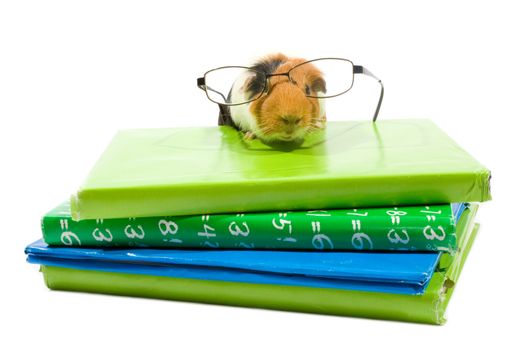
x=423, y=228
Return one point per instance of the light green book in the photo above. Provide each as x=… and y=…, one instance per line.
x=187, y=171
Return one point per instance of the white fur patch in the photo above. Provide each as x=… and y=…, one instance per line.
x=241, y=114
x=321, y=102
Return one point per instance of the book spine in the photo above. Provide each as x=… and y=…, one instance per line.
x=425, y=228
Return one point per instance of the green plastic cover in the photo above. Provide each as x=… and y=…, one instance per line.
x=185, y=171
x=424, y=228
x=427, y=308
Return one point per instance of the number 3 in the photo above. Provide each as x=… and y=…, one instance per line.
x=237, y=230
x=130, y=232
x=431, y=234
x=394, y=237
x=101, y=236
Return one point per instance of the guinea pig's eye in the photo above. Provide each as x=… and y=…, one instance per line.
x=307, y=90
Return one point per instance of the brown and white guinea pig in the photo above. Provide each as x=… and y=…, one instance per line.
x=283, y=112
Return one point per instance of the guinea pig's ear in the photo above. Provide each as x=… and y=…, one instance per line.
x=318, y=85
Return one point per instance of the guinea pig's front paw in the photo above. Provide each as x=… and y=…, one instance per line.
x=319, y=123
x=249, y=135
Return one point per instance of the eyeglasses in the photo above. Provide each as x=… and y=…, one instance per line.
x=319, y=78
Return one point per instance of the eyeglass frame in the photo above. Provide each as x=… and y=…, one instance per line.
x=201, y=83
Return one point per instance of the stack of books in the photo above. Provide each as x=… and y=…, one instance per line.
x=363, y=219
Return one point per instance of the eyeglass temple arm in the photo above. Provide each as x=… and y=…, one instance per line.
x=363, y=70
x=201, y=84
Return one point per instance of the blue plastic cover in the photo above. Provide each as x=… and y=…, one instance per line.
x=403, y=273
x=458, y=209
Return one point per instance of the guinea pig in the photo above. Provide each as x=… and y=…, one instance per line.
x=283, y=112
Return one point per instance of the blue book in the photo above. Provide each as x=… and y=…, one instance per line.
x=402, y=273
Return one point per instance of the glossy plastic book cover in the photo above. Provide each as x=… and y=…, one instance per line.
x=186, y=171
x=380, y=272
x=415, y=228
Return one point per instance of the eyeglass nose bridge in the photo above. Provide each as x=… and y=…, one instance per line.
x=278, y=74
x=268, y=76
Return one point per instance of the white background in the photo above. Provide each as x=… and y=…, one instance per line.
x=72, y=73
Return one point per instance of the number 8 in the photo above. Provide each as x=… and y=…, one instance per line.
x=168, y=227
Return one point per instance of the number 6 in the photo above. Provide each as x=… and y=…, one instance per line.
x=67, y=238
x=358, y=241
